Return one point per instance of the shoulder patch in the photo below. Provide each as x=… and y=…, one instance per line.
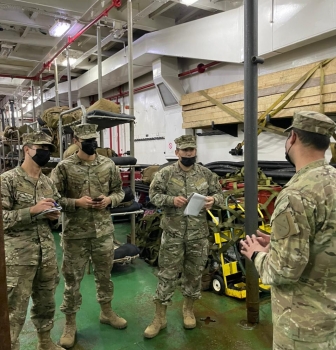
x=283, y=226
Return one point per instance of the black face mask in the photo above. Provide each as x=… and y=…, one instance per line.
x=187, y=162
x=41, y=157
x=89, y=147
x=288, y=157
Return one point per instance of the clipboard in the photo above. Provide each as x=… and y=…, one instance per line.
x=195, y=204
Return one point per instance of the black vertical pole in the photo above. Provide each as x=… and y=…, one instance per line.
x=11, y=104
x=251, y=148
x=3, y=119
x=4, y=315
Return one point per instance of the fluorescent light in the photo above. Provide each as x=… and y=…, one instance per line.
x=6, y=49
x=188, y=2
x=30, y=98
x=59, y=28
x=72, y=60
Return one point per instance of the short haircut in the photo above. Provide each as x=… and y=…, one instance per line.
x=312, y=139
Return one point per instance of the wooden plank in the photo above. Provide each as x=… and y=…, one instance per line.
x=263, y=104
x=288, y=76
x=223, y=118
x=312, y=87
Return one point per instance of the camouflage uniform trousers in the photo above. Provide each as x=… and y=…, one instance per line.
x=180, y=255
x=76, y=254
x=38, y=282
x=282, y=342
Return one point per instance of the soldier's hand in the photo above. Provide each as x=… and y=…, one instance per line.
x=263, y=238
x=209, y=201
x=53, y=216
x=180, y=201
x=84, y=202
x=250, y=245
x=101, y=204
x=44, y=204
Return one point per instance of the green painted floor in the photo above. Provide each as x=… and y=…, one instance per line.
x=134, y=286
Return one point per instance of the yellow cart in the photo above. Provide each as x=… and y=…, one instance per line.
x=229, y=276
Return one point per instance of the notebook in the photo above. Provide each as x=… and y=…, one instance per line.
x=195, y=204
x=51, y=210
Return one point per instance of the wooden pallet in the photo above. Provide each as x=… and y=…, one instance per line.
x=199, y=112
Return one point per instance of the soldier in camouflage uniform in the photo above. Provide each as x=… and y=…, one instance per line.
x=299, y=258
x=184, y=243
x=31, y=265
x=90, y=183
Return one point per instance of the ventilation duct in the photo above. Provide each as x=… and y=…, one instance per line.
x=167, y=83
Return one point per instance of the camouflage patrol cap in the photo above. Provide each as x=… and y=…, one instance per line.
x=85, y=131
x=185, y=141
x=38, y=138
x=313, y=122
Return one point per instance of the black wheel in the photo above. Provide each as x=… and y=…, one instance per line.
x=217, y=284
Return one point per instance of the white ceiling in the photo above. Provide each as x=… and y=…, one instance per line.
x=24, y=25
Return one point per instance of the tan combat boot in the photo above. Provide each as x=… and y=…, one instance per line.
x=108, y=316
x=69, y=332
x=159, y=322
x=189, y=320
x=45, y=343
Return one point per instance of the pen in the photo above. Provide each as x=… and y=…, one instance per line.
x=55, y=204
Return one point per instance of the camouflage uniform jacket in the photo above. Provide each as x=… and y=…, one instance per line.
x=301, y=263
x=27, y=239
x=171, y=182
x=75, y=178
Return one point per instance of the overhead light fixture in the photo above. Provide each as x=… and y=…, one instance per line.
x=30, y=98
x=188, y=2
x=59, y=28
x=72, y=61
x=6, y=49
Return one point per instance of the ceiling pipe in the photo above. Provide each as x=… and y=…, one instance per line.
x=45, y=78
x=200, y=69
x=17, y=77
x=115, y=3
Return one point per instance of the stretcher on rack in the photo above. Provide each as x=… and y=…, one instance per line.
x=227, y=265
x=125, y=253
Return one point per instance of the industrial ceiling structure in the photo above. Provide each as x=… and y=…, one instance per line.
x=29, y=37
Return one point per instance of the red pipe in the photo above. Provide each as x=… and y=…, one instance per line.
x=200, y=69
x=138, y=89
x=17, y=77
x=115, y=3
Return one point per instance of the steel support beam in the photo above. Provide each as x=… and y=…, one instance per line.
x=41, y=96
x=56, y=84
x=100, y=75
x=11, y=105
x=251, y=150
x=69, y=77
x=162, y=9
x=33, y=100
x=131, y=101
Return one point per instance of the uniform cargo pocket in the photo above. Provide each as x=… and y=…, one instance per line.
x=12, y=283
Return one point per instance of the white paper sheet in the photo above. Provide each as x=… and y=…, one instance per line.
x=195, y=204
